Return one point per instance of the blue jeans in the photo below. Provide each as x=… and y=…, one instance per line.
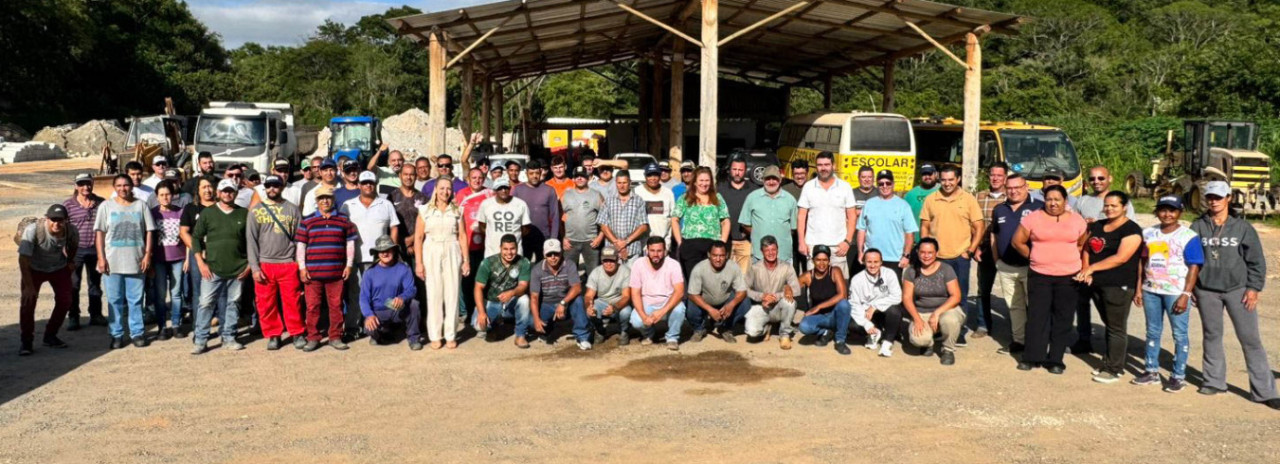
x=577, y=313
x=1157, y=306
x=213, y=293
x=961, y=266
x=674, y=318
x=167, y=280
x=193, y=288
x=698, y=317
x=517, y=307
x=124, y=293
x=837, y=319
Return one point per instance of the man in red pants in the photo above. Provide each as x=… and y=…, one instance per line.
x=46, y=252
x=326, y=245
x=269, y=240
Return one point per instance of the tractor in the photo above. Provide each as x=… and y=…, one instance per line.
x=1210, y=150
x=355, y=137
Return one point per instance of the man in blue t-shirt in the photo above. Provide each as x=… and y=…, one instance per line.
x=887, y=224
x=1011, y=266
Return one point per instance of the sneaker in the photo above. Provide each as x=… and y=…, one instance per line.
x=197, y=349
x=785, y=343
x=624, y=338
x=842, y=348
x=1175, y=385
x=980, y=333
x=521, y=343
x=339, y=344
x=415, y=345
x=1147, y=378
x=52, y=341
x=25, y=350
x=273, y=343
x=961, y=342
x=1106, y=377
x=547, y=339
x=117, y=343
x=299, y=342
x=598, y=337
x=698, y=335
x=873, y=340
x=311, y=345
x=141, y=342
x=825, y=338
x=232, y=344
x=673, y=345
x=584, y=345
x=947, y=358
x=928, y=351
x=1209, y=391
x=73, y=324
x=726, y=335
x=886, y=349
x=166, y=334
x=1057, y=370
x=646, y=341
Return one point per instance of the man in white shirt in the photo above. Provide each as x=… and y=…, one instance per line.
x=373, y=217
x=158, y=165
x=658, y=202
x=827, y=214
x=500, y=215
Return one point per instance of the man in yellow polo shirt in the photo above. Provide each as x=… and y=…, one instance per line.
x=953, y=217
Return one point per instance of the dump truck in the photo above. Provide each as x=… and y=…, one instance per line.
x=1210, y=149
x=254, y=134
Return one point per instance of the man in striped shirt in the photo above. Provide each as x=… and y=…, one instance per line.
x=326, y=252
x=82, y=210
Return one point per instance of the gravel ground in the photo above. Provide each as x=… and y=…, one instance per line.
x=493, y=403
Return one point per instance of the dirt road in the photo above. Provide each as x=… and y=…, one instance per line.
x=711, y=402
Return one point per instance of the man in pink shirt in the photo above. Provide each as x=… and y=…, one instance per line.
x=657, y=293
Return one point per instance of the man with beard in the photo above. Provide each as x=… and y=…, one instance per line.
x=717, y=290
x=827, y=213
x=544, y=209
x=657, y=291
x=204, y=164
x=735, y=193
x=220, y=250
x=770, y=212
x=271, y=252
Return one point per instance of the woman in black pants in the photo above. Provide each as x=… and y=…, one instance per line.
x=1052, y=239
x=1111, y=271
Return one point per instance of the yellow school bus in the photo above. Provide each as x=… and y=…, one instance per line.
x=879, y=140
x=1028, y=149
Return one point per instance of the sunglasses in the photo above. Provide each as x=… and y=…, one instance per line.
x=233, y=176
x=1098, y=178
x=444, y=166
x=887, y=183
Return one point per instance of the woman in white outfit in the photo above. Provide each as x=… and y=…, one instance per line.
x=438, y=240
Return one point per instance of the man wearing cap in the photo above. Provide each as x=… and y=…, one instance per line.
x=603, y=181
x=657, y=294
x=555, y=289
x=658, y=200
x=735, y=193
x=328, y=178
x=326, y=245
x=664, y=175
x=386, y=295
x=501, y=215
x=624, y=221
x=717, y=290
x=125, y=228
x=272, y=256
x=204, y=169
x=220, y=248
x=496, y=170
x=469, y=200
x=234, y=173
x=1011, y=266
x=1235, y=270
x=770, y=211
x=560, y=180
x=887, y=224
x=686, y=178
x=158, y=165
x=953, y=217
x=388, y=175
x=987, y=201
x=827, y=213
x=607, y=294
x=349, y=186
x=772, y=287
x=502, y=286
x=46, y=253
x=444, y=170
x=82, y=212
x=544, y=208
x=373, y=216
x=915, y=197
x=1054, y=176
x=582, y=234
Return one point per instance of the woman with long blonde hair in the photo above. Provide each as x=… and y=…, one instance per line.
x=438, y=240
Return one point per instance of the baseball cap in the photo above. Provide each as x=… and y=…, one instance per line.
x=686, y=165
x=667, y=165
x=927, y=168
x=281, y=163
x=273, y=180
x=771, y=171
x=383, y=243
x=228, y=184
x=821, y=249
x=84, y=177
x=496, y=165
x=171, y=173
x=349, y=165
x=884, y=174
x=1054, y=172
x=501, y=183
x=323, y=191
x=159, y=160
x=1169, y=201
x=368, y=176
x=551, y=246
x=306, y=164
x=57, y=212
x=800, y=164
x=652, y=169
x=328, y=163
x=609, y=254
x=1217, y=188
x=581, y=171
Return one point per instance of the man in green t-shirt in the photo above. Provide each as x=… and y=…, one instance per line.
x=502, y=286
x=221, y=252
x=915, y=197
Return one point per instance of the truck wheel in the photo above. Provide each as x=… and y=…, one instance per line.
x=1134, y=185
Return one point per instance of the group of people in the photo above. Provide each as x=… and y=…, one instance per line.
x=390, y=249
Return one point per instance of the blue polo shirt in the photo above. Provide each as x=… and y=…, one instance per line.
x=886, y=222
x=1004, y=223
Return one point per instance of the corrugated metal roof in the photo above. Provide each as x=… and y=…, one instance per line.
x=824, y=37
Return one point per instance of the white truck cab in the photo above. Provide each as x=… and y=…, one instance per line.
x=250, y=133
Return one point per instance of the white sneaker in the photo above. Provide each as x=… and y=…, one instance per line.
x=886, y=349
x=873, y=340
x=584, y=345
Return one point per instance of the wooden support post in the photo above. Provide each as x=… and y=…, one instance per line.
x=826, y=93
x=486, y=108
x=468, y=99
x=709, y=67
x=675, y=143
x=435, y=95
x=887, y=103
x=498, y=104
x=655, y=113
x=972, y=110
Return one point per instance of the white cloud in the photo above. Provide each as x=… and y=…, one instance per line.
x=290, y=22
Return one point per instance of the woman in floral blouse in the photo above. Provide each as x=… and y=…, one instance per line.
x=700, y=218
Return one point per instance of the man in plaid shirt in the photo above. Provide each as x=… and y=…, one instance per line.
x=987, y=200
x=624, y=219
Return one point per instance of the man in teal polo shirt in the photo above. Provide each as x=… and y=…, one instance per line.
x=770, y=211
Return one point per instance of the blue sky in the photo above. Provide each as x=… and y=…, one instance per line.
x=290, y=22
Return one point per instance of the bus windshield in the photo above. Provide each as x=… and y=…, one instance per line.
x=232, y=131
x=1031, y=152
